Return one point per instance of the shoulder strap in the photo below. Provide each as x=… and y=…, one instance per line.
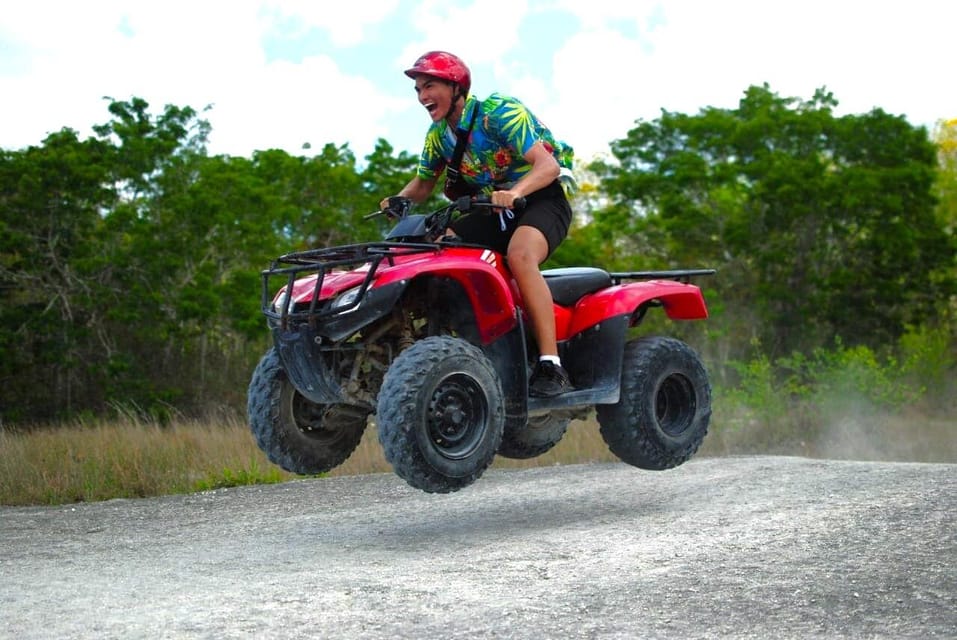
x=462, y=139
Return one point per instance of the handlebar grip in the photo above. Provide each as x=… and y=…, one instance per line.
x=518, y=204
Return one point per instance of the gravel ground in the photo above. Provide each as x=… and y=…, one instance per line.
x=740, y=547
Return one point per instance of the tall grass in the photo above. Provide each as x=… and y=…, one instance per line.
x=839, y=403
x=847, y=402
x=130, y=458
x=124, y=459
x=127, y=458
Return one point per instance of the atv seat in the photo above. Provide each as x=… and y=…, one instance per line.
x=569, y=284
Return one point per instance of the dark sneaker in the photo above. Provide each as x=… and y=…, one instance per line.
x=548, y=380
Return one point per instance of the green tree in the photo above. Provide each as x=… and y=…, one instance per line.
x=945, y=135
x=385, y=175
x=819, y=225
x=130, y=262
x=51, y=269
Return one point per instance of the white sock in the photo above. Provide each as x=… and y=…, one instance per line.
x=553, y=359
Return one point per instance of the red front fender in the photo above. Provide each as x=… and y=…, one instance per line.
x=482, y=276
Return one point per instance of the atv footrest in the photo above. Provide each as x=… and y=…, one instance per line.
x=573, y=399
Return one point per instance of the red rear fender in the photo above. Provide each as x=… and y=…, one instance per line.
x=680, y=301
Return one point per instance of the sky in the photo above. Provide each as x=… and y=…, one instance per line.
x=289, y=73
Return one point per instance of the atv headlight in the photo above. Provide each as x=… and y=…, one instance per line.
x=279, y=302
x=346, y=300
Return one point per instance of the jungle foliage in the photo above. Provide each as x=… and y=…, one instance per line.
x=821, y=226
x=130, y=260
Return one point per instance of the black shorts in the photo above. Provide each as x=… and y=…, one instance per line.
x=547, y=210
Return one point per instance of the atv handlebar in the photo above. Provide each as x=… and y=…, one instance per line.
x=399, y=206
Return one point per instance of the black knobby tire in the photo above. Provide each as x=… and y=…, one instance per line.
x=533, y=439
x=665, y=406
x=295, y=433
x=440, y=414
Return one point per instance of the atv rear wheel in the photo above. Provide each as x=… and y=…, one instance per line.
x=440, y=414
x=665, y=406
x=295, y=433
x=533, y=439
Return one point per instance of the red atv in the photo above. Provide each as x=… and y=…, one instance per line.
x=428, y=333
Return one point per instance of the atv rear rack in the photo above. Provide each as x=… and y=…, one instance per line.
x=681, y=275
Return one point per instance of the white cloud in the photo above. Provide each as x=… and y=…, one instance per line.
x=599, y=95
x=685, y=56
x=346, y=23
x=885, y=54
x=480, y=33
x=166, y=53
x=625, y=61
x=596, y=15
x=200, y=56
x=292, y=104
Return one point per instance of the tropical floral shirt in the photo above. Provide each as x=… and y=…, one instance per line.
x=504, y=131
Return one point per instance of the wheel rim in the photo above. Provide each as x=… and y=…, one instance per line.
x=458, y=414
x=675, y=404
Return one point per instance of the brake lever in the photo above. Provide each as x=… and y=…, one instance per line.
x=398, y=207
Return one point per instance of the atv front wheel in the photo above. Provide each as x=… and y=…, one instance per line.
x=295, y=433
x=665, y=406
x=440, y=414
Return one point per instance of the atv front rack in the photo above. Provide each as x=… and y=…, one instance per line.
x=320, y=262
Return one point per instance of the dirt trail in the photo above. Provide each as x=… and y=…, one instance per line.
x=721, y=547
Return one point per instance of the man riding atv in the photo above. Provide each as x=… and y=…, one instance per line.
x=427, y=333
x=499, y=148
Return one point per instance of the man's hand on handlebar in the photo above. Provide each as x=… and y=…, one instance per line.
x=507, y=199
x=393, y=207
x=500, y=200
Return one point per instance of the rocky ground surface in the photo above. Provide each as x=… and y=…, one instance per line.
x=740, y=547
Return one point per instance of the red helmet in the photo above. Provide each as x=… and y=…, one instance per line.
x=444, y=65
